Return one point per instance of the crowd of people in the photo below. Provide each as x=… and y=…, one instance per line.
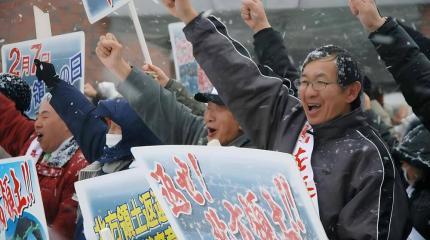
x=370, y=172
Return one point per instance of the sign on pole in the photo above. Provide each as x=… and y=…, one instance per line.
x=98, y=9
x=42, y=23
x=139, y=31
x=21, y=208
x=229, y=193
x=66, y=52
x=187, y=69
x=123, y=203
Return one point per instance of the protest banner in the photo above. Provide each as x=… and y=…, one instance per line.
x=98, y=9
x=187, y=69
x=21, y=208
x=69, y=62
x=123, y=203
x=229, y=193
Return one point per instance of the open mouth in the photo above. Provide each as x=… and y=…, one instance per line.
x=211, y=132
x=313, y=107
x=39, y=137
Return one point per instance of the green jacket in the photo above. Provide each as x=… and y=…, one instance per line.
x=171, y=121
x=182, y=96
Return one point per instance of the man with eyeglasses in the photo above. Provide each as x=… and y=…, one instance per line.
x=347, y=168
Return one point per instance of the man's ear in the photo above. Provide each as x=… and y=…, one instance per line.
x=353, y=91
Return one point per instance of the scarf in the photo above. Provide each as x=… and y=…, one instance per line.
x=303, y=153
x=56, y=159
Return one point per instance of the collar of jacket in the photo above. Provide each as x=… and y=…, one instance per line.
x=241, y=141
x=340, y=125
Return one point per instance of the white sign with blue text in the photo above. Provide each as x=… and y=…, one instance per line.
x=22, y=214
x=66, y=52
x=229, y=192
x=123, y=203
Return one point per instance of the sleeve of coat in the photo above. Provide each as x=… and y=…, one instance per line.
x=77, y=112
x=422, y=41
x=260, y=103
x=170, y=121
x=185, y=98
x=271, y=51
x=408, y=65
x=64, y=222
x=15, y=128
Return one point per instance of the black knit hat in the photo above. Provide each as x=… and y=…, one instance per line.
x=16, y=89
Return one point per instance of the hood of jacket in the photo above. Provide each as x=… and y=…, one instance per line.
x=415, y=148
x=134, y=131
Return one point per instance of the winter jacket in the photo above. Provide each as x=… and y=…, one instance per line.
x=271, y=51
x=415, y=150
x=182, y=95
x=87, y=125
x=170, y=120
x=422, y=41
x=359, y=194
x=56, y=184
x=408, y=65
x=420, y=210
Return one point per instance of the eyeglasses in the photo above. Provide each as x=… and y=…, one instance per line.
x=316, y=85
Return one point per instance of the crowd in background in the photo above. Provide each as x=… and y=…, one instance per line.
x=369, y=166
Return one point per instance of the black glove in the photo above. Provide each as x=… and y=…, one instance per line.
x=46, y=72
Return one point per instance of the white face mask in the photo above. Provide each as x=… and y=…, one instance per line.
x=113, y=139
